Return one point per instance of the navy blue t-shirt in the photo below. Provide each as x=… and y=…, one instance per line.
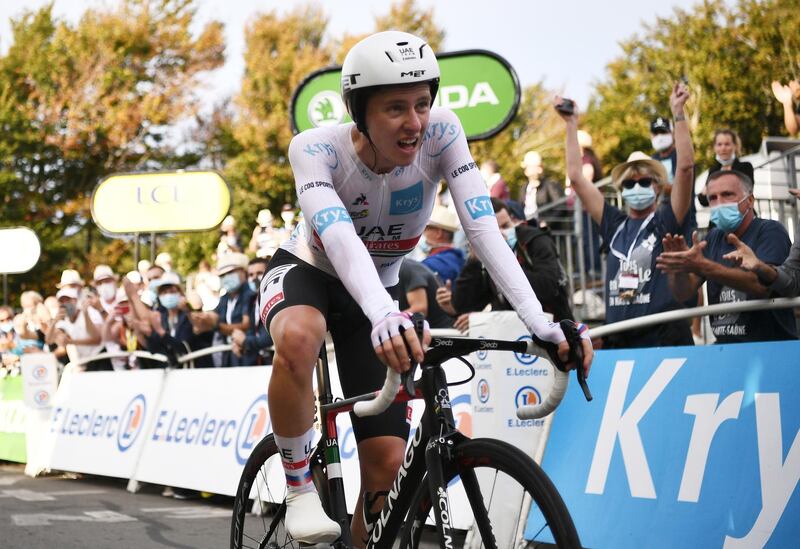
x=770, y=242
x=632, y=263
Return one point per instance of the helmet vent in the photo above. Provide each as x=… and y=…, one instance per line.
x=402, y=43
x=422, y=47
x=389, y=55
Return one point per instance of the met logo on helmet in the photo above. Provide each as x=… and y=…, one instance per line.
x=413, y=74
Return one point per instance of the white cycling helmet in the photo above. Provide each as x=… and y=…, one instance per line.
x=387, y=58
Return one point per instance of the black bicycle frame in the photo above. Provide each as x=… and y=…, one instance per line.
x=430, y=455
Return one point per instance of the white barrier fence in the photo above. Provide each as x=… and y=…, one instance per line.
x=195, y=428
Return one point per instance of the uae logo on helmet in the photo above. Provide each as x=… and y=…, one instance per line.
x=326, y=109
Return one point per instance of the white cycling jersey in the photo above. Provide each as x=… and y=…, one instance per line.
x=358, y=225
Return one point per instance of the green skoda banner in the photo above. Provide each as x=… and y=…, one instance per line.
x=12, y=420
x=478, y=85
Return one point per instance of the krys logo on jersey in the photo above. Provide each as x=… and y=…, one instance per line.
x=120, y=426
x=237, y=434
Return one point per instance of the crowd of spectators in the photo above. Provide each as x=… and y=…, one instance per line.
x=153, y=309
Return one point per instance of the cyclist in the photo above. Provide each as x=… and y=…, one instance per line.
x=366, y=191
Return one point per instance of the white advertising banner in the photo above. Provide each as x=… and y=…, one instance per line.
x=207, y=423
x=39, y=379
x=99, y=420
x=503, y=382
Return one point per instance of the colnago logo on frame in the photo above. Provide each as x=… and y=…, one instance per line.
x=97, y=424
x=205, y=429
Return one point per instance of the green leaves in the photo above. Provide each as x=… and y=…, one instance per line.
x=729, y=54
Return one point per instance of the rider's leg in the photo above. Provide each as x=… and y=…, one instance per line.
x=298, y=332
x=380, y=459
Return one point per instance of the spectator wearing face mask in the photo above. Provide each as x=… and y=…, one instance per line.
x=234, y=311
x=229, y=238
x=171, y=331
x=633, y=285
x=727, y=149
x=6, y=328
x=664, y=145
x=105, y=282
x=76, y=323
x=252, y=345
x=730, y=195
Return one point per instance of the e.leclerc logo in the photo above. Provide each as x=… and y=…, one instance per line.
x=522, y=358
x=483, y=353
x=483, y=391
x=252, y=428
x=527, y=396
x=39, y=373
x=131, y=422
x=97, y=424
x=177, y=427
x=41, y=397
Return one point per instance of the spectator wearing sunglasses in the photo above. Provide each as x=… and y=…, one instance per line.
x=633, y=285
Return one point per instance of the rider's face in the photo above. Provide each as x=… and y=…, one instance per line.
x=396, y=121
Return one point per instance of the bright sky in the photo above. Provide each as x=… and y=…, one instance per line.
x=566, y=43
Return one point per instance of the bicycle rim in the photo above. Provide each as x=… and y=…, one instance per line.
x=259, y=509
x=495, y=477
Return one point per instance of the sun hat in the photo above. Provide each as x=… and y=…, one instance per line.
x=638, y=158
x=230, y=262
x=443, y=218
x=70, y=276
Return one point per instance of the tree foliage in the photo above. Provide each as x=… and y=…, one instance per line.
x=729, y=55
x=78, y=102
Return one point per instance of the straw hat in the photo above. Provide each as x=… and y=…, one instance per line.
x=230, y=262
x=443, y=218
x=640, y=159
x=70, y=276
x=102, y=272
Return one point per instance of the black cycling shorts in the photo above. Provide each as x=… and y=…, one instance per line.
x=290, y=281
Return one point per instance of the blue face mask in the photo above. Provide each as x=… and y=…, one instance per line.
x=169, y=301
x=639, y=198
x=252, y=285
x=511, y=236
x=424, y=246
x=231, y=282
x=727, y=216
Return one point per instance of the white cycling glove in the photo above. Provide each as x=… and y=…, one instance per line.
x=389, y=326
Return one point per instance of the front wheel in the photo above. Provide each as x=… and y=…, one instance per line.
x=496, y=477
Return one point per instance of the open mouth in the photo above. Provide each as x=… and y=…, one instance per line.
x=408, y=145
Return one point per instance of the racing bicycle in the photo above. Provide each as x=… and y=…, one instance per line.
x=437, y=456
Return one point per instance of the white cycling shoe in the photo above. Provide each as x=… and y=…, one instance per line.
x=307, y=521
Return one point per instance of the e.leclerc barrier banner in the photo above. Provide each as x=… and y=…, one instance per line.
x=478, y=85
x=682, y=447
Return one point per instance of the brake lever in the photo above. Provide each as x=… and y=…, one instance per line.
x=576, y=355
x=407, y=379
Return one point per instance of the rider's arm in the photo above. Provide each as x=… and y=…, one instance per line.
x=327, y=216
x=477, y=218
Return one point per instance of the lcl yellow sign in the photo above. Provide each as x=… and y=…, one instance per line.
x=160, y=202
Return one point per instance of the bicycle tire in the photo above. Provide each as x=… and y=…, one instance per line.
x=488, y=455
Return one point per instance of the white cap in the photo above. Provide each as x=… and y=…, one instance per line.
x=231, y=261
x=103, y=271
x=264, y=218
x=164, y=260
x=70, y=276
x=67, y=292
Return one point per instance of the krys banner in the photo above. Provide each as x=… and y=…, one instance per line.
x=478, y=85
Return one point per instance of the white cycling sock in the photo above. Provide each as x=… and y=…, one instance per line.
x=295, y=453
